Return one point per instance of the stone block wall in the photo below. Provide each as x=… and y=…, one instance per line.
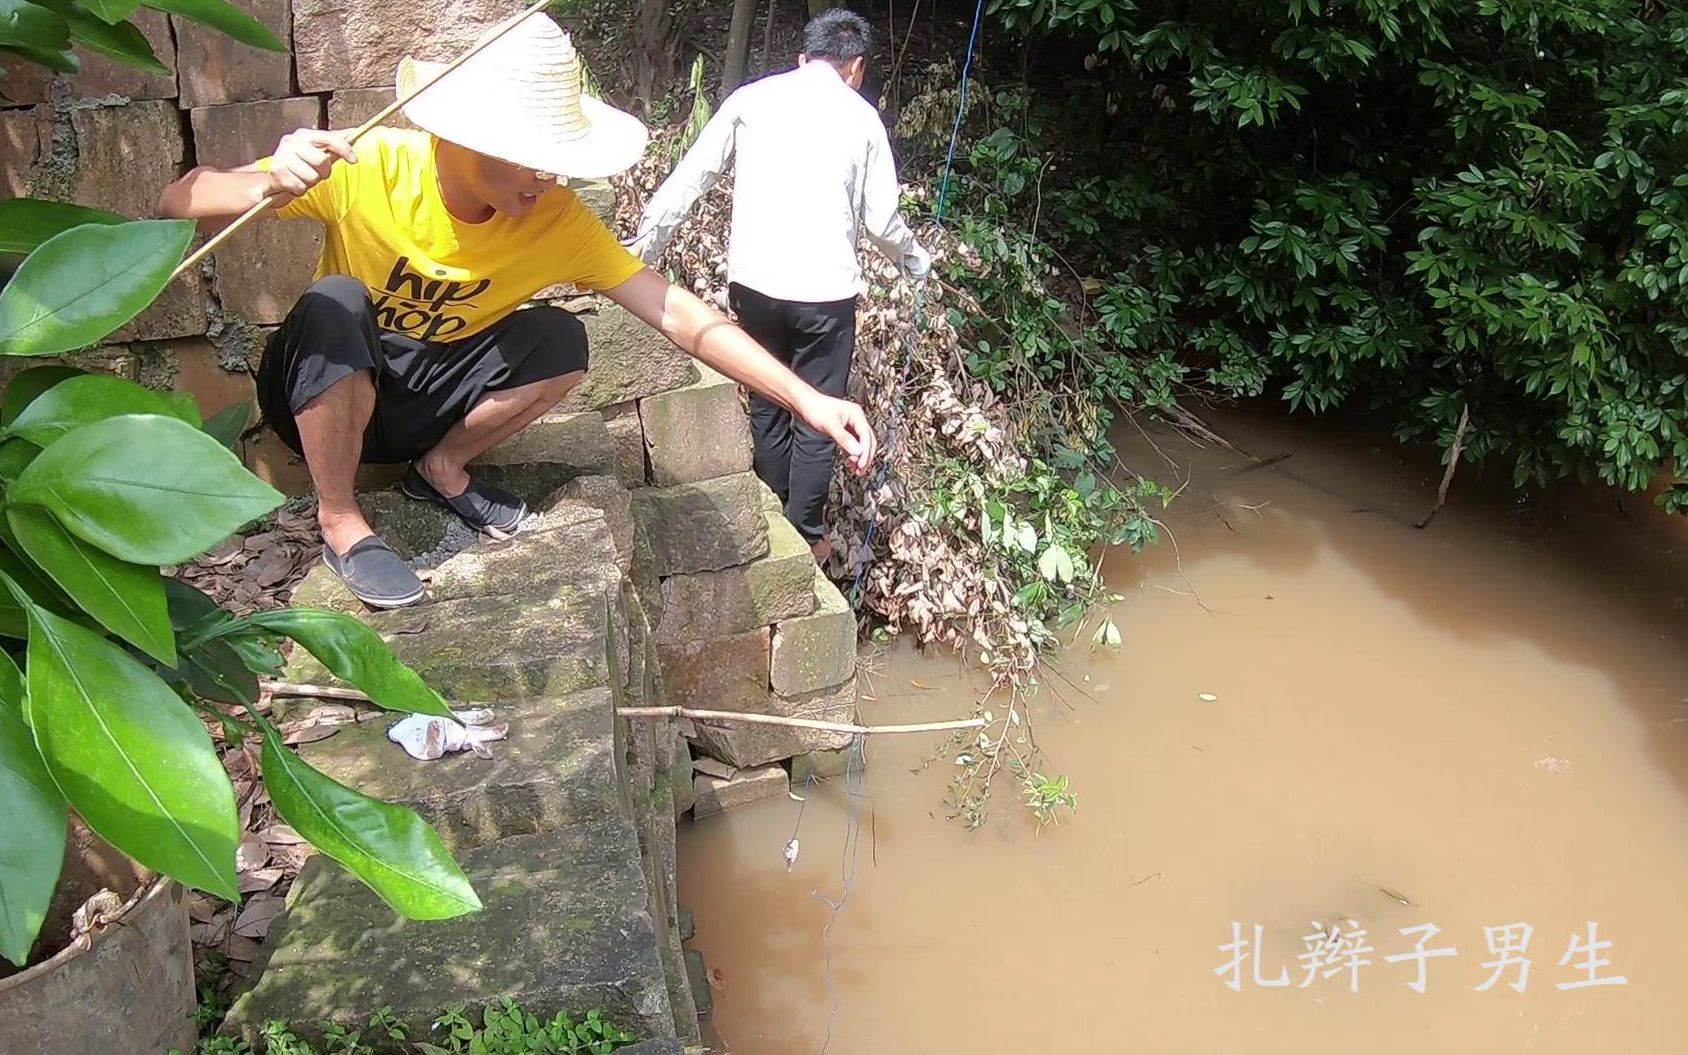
x=745, y=621
x=113, y=137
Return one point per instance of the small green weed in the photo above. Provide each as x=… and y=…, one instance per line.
x=504, y=1029
x=1045, y=796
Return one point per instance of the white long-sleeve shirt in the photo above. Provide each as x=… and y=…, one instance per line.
x=813, y=173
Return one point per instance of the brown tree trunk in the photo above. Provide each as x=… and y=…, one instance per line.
x=818, y=6
x=768, y=38
x=653, y=55
x=738, y=46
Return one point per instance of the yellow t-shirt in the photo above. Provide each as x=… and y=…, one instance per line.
x=435, y=277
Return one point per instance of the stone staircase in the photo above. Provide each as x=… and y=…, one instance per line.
x=567, y=832
x=661, y=571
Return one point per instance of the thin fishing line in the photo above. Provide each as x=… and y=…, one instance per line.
x=854, y=763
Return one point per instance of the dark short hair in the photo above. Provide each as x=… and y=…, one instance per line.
x=837, y=36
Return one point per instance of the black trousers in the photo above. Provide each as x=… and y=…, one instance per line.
x=422, y=388
x=817, y=342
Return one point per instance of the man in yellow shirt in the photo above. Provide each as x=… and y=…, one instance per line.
x=410, y=347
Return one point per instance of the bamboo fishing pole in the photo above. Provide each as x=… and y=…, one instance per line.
x=357, y=133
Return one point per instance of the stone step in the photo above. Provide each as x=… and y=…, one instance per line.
x=802, y=667
x=719, y=794
x=696, y=433
x=552, y=450
x=564, y=928
x=476, y=650
x=704, y=526
x=629, y=361
x=576, y=441
x=533, y=617
x=557, y=764
x=779, y=585
x=815, y=652
x=573, y=547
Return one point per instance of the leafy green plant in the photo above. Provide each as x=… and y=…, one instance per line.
x=1039, y=529
x=1046, y=797
x=504, y=1029
x=507, y=1030
x=108, y=669
x=1440, y=209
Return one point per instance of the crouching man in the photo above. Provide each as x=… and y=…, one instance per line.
x=409, y=347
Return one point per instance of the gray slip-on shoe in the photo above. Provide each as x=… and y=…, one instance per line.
x=375, y=574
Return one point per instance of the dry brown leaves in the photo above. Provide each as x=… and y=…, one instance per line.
x=270, y=853
x=928, y=580
x=267, y=861
x=257, y=572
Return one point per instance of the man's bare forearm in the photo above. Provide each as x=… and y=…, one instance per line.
x=707, y=336
x=214, y=196
x=730, y=351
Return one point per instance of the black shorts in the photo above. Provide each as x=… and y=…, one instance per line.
x=422, y=388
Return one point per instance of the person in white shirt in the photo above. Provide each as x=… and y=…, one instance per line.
x=813, y=172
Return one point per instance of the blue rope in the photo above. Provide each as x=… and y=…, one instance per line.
x=920, y=295
x=960, y=110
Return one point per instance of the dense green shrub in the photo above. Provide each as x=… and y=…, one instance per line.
x=1421, y=206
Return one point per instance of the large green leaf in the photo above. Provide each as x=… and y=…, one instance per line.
x=27, y=222
x=389, y=847
x=33, y=835
x=354, y=653
x=15, y=456
x=34, y=583
x=194, y=615
x=27, y=387
x=214, y=669
x=122, y=41
x=64, y=61
x=84, y=400
x=228, y=425
x=14, y=621
x=132, y=758
x=258, y=653
x=192, y=611
x=144, y=488
x=112, y=11
x=223, y=17
x=127, y=599
x=84, y=283
x=27, y=25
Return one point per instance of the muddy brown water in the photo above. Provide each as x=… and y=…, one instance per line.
x=1487, y=719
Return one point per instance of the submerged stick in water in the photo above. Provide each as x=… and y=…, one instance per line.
x=1453, y=463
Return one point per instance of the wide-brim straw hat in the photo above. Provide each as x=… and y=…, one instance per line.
x=520, y=100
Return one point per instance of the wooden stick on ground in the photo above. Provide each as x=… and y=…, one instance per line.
x=1453, y=463
x=317, y=692
x=331, y=692
x=389, y=110
x=795, y=723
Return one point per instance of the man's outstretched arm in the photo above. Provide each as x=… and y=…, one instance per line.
x=705, y=334
x=882, y=219
x=694, y=175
